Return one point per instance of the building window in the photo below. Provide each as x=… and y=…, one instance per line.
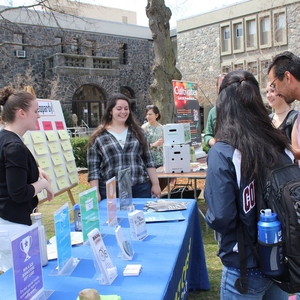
x=75, y=46
x=238, y=39
x=58, y=46
x=238, y=66
x=251, y=34
x=265, y=31
x=252, y=67
x=226, y=69
x=225, y=38
x=124, y=20
x=279, y=21
x=90, y=47
x=19, y=41
x=264, y=64
x=226, y=33
x=123, y=54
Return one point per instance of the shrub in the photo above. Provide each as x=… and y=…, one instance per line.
x=79, y=145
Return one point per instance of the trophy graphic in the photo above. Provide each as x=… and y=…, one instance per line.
x=25, y=245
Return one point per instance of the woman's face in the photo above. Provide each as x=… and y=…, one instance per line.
x=151, y=116
x=31, y=115
x=120, y=111
x=272, y=97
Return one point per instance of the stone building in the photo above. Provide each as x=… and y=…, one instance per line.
x=76, y=60
x=241, y=36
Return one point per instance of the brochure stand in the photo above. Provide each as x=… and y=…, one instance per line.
x=27, y=265
x=65, y=262
x=106, y=272
x=124, y=244
x=89, y=211
x=125, y=192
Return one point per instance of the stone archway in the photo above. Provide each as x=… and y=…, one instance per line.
x=87, y=95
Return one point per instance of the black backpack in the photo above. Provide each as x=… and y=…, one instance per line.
x=282, y=194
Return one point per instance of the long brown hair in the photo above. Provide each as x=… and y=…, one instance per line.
x=131, y=121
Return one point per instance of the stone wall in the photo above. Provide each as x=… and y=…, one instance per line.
x=40, y=44
x=199, y=60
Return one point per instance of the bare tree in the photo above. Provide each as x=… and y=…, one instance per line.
x=164, y=69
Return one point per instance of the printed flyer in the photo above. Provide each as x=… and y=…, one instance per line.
x=27, y=267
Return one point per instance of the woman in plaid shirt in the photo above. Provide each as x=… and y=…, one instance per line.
x=119, y=143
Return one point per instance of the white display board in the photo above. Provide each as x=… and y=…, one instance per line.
x=50, y=145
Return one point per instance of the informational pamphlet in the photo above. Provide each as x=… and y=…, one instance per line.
x=124, y=244
x=27, y=267
x=89, y=211
x=106, y=270
x=65, y=261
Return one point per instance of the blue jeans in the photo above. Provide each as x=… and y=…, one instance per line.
x=142, y=190
x=259, y=287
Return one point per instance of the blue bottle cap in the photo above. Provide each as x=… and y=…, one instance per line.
x=76, y=206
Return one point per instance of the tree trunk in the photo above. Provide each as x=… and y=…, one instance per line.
x=164, y=69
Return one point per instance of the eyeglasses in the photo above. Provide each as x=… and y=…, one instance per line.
x=272, y=85
x=149, y=106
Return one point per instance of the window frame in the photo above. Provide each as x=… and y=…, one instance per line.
x=274, y=28
x=249, y=19
x=235, y=38
x=260, y=30
x=222, y=38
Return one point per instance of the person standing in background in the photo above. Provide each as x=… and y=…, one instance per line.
x=154, y=132
x=284, y=116
x=209, y=139
x=119, y=143
x=20, y=177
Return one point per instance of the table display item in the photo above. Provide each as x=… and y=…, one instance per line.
x=106, y=271
x=37, y=218
x=132, y=270
x=165, y=205
x=138, y=227
x=124, y=244
x=77, y=217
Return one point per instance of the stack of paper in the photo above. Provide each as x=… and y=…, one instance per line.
x=132, y=270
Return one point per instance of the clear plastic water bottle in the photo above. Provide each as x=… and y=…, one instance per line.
x=270, y=252
x=37, y=218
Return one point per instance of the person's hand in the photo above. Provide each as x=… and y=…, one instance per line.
x=155, y=190
x=159, y=142
x=212, y=141
x=50, y=193
x=43, y=174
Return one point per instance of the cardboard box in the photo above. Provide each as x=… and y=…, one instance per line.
x=176, y=158
x=179, y=133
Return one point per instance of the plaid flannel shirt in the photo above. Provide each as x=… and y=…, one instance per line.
x=105, y=158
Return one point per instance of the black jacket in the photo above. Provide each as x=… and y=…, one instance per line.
x=18, y=169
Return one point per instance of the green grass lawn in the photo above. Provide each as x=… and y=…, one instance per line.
x=210, y=246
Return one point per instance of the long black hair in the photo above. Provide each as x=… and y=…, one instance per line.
x=243, y=122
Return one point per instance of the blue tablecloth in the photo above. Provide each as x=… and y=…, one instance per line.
x=172, y=258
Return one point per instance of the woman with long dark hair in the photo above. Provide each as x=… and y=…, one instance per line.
x=117, y=144
x=247, y=145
